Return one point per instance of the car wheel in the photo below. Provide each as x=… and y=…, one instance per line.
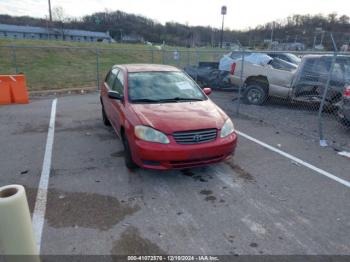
x=105, y=118
x=255, y=94
x=127, y=155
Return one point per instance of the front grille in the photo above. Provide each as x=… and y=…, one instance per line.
x=195, y=136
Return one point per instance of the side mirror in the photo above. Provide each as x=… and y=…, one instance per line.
x=115, y=95
x=207, y=90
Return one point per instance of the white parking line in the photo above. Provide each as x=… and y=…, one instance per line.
x=41, y=198
x=295, y=159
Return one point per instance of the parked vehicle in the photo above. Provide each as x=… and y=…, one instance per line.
x=344, y=108
x=261, y=80
x=312, y=76
x=227, y=59
x=303, y=83
x=289, y=57
x=207, y=74
x=217, y=75
x=165, y=120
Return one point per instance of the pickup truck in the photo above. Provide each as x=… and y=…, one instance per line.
x=305, y=82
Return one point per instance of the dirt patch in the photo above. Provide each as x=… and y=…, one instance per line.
x=132, y=243
x=187, y=172
x=66, y=209
x=81, y=128
x=72, y=171
x=106, y=136
x=210, y=198
x=246, y=176
x=118, y=154
x=196, y=177
x=29, y=128
x=253, y=245
x=206, y=192
x=199, y=178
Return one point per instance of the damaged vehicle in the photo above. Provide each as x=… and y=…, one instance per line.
x=209, y=74
x=289, y=57
x=227, y=59
x=304, y=83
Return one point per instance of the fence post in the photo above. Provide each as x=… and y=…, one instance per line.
x=14, y=59
x=152, y=54
x=188, y=57
x=97, y=70
x=323, y=141
x=241, y=83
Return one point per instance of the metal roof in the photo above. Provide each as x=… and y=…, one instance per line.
x=43, y=30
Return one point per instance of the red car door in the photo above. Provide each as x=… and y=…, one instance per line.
x=117, y=106
x=107, y=86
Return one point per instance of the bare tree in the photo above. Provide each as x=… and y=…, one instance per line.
x=60, y=17
x=58, y=14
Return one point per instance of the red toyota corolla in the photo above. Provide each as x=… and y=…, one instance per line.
x=164, y=119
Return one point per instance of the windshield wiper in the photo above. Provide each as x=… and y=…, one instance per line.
x=180, y=99
x=146, y=100
x=166, y=100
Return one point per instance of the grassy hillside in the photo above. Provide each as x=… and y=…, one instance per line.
x=58, y=64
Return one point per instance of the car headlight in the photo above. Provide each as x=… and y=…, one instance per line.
x=151, y=135
x=227, y=129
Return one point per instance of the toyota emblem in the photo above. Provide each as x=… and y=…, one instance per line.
x=197, y=138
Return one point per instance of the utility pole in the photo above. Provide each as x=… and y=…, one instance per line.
x=50, y=14
x=223, y=12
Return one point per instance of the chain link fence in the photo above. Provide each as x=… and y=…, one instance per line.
x=303, y=92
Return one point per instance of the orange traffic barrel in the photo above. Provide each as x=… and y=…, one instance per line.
x=5, y=93
x=13, y=89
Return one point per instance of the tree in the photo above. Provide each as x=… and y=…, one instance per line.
x=58, y=14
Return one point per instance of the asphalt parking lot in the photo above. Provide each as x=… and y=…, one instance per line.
x=258, y=202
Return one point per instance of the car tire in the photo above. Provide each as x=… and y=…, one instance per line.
x=254, y=94
x=105, y=119
x=127, y=154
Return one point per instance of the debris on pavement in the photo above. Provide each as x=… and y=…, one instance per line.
x=295, y=163
x=24, y=172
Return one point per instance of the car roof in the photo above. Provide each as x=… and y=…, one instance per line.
x=326, y=55
x=133, y=68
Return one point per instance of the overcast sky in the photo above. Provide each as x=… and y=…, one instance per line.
x=241, y=14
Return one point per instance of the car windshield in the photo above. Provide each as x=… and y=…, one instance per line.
x=282, y=64
x=162, y=87
x=293, y=58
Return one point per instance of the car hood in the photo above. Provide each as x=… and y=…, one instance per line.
x=182, y=116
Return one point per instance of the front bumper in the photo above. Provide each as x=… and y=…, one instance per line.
x=177, y=156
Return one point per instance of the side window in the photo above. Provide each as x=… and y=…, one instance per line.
x=118, y=85
x=111, y=78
